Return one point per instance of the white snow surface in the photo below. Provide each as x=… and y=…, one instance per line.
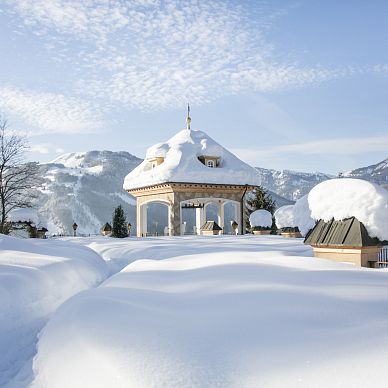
x=23, y=215
x=346, y=197
x=302, y=215
x=181, y=163
x=193, y=311
x=260, y=217
x=36, y=276
x=284, y=217
x=231, y=311
x=71, y=159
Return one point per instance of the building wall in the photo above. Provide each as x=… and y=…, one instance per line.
x=174, y=193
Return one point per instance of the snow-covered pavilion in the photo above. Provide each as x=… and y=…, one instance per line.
x=190, y=170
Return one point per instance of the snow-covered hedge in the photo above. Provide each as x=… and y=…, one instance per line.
x=24, y=215
x=261, y=218
x=302, y=215
x=344, y=198
x=284, y=217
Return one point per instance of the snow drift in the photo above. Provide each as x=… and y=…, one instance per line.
x=181, y=163
x=36, y=276
x=241, y=315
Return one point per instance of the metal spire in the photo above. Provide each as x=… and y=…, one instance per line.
x=188, y=119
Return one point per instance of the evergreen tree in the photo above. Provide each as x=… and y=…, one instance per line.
x=119, y=228
x=257, y=199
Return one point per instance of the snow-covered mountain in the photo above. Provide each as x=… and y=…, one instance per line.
x=85, y=188
x=376, y=173
x=288, y=184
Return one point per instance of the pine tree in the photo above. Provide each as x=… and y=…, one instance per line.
x=257, y=199
x=119, y=228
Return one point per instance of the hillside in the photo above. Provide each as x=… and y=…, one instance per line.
x=376, y=173
x=85, y=188
x=288, y=184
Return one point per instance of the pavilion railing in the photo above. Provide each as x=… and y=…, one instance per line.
x=382, y=261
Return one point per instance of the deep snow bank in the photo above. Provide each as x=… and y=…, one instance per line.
x=118, y=253
x=232, y=318
x=36, y=276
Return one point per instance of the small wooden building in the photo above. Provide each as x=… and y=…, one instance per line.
x=345, y=241
x=106, y=229
x=211, y=228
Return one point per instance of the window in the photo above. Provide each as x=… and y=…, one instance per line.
x=153, y=165
x=210, y=163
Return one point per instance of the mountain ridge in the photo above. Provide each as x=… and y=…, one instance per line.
x=85, y=187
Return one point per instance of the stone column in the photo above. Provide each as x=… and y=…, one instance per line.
x=237, y=215
x=199, y=219
x=141, y=217
x=221, y=215
x=174, y=217
x=170, y=220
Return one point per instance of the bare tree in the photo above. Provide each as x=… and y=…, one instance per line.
x=18, y=178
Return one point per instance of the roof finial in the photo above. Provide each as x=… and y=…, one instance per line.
x=188, y=119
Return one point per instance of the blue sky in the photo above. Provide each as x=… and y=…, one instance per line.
x=284, y=84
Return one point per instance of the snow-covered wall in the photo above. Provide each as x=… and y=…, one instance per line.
x=181, y=163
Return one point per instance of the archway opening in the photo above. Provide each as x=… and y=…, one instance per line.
x=211, y=212
x=157, y=219
x=230, y=214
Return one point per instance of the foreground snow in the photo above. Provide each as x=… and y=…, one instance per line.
x=36, y=276
x=223, y=311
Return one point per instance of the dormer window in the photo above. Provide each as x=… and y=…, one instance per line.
x=155, y=162
x=210, y=161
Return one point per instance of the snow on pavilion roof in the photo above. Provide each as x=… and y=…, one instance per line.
x=181, y=163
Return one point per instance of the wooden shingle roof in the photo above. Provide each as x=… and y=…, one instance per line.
x=211, y=226
x=349, y=232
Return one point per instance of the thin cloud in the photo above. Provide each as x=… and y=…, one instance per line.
x=154, y=55
x=342, y=146
x=45, y=148
x=48, y=112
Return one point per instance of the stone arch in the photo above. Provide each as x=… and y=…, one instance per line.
x=143, y=215
x=176, y=193
x=220, y=202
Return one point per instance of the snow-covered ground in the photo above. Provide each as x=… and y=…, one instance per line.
x=36, y=276
x=227, y=311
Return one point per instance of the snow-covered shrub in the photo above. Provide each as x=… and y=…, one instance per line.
x=260, y=220
x=344, y=198
x=284, y=217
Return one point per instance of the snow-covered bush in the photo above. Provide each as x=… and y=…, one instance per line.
x=284, y=217
x=260, y=219
x=344, y=198
x=24, y=215
x=302, y=215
